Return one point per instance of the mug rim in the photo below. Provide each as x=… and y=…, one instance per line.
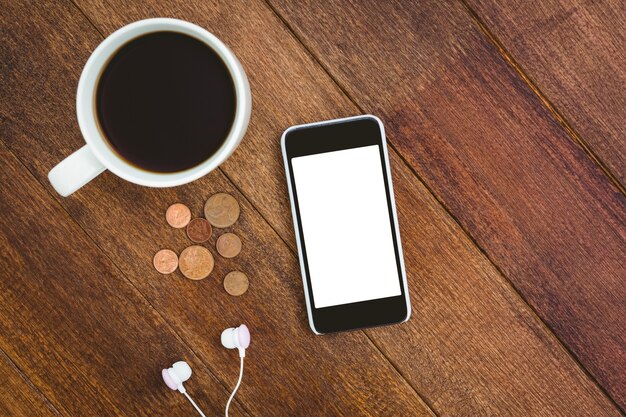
x=87, y=117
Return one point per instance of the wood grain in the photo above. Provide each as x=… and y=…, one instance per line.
x=17, y=396
x=574, y=52
x=73, y=324
x=470, y=335
x=289, y=371
x=489, y=149
x=472, y=347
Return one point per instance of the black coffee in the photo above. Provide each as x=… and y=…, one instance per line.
x=165, y=102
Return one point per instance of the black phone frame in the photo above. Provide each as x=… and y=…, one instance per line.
x=332, y=136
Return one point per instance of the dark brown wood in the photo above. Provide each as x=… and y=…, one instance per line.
x=574, y=53
x=289, y=371
x=17, y=396
x=73, y=324
x=289, y=88
x=492, y=152
x=476, y=347
x=473, y=347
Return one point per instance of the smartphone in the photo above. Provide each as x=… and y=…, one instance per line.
x=345, y=222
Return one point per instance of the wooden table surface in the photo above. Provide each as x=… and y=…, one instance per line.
x=507, y=129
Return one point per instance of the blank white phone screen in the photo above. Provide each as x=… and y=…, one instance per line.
x=346, y=227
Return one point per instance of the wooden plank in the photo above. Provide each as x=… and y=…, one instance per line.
x=472, y=347
x=289, y=371
x=18, y=397
x=478, y=136
x=574, y=53
x=73, y=324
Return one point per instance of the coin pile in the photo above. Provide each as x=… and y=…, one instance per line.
x=196, y=261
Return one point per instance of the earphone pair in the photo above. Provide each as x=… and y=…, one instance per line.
x=179, y=372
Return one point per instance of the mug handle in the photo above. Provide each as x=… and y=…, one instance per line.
x=75, y=171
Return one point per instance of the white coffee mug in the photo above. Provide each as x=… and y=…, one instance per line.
x=97, y=155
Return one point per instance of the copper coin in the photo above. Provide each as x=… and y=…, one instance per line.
x=165, y=261
x=221, y=210
x=236, y=283
x=199, y=230
x=196, y=262
x=178, y=215
x=228, y=245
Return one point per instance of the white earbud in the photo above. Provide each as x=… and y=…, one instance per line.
x=237, y=337
x=234, y=337
x=174, y=378
x=176, y=375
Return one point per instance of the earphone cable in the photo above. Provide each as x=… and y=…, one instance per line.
x=194, y=404
x=236, y=387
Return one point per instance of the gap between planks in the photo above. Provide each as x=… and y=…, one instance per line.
x=27, y=380
x=560, y=119
x=565, y=124
x=571, y=132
